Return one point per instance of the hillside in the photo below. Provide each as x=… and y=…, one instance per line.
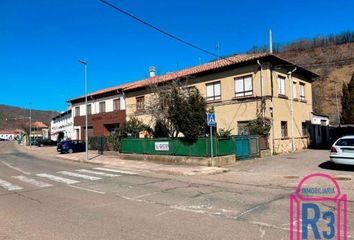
x=10, y=117
x=331, y=57
x=335, y=65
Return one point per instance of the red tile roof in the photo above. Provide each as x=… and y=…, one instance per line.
x=8, y=132
x=236, y=59
x=39, y=125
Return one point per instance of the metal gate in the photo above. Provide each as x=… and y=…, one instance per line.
x=247, y=146
x=242, y=147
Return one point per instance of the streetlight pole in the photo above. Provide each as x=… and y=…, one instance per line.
x=338, y=117
x=86, y=135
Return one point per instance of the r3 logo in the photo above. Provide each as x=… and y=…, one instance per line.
x=309, y=223
x=308, y=219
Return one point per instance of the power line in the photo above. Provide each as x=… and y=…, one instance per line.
x=163, y=31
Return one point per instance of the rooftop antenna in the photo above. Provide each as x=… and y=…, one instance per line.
x=218, y=47
x=270, y=41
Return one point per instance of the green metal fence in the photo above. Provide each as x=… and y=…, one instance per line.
x=243, y=146
x=178, y=147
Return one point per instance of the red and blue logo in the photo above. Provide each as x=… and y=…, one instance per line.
x=318, y=210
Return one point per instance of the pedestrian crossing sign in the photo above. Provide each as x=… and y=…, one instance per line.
x=211, y=119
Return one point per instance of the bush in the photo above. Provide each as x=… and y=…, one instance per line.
x=114, y=141
x=259, y=126
x=224, y=133
x=133, y=126
x=161, y=130
x=92, y=143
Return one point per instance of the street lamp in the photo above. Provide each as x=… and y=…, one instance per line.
x=86, y=136
x=338, y=116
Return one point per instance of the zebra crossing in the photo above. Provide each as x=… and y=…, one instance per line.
x=45, y=180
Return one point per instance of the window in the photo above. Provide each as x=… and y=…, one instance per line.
x=77, y=111
x=284, y=129
x=304, y=129
x=102, y=107
x=242, y=128
x=116, y=104
x=89, y=109
x=347, y=142
x=213, y=91
x=281, y=85
x=243, y=86
x=302, y=91
x=164, y=100
x=294, y=90
x=140, y=103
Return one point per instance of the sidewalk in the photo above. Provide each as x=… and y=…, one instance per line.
x=129, y=165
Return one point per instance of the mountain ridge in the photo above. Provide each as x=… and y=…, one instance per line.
x=12, y=117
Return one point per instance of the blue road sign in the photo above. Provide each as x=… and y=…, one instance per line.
x=211, y=119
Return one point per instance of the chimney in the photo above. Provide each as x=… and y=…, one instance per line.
x=152, y=71
x=270, y=41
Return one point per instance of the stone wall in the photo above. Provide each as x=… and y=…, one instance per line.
x=182, y=160
x=284, y=145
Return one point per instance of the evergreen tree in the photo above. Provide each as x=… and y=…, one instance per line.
x=187, y=113
x=161, y=130
x=348, y=102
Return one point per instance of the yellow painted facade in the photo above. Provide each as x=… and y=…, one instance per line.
x=231, y=110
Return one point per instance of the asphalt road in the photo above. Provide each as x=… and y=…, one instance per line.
x=44, y=198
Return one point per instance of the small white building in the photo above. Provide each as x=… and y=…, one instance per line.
x=9, y=135
x=319, y=130
x=62, y=126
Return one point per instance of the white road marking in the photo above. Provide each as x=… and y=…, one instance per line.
x=165, y=212
x=262, y=231
x=72, y=174
x=98, y=173
x=9, y=186
x=247, y=211
x=15, y=168
x=86, y=189
x=33, y=181
x=116, y=171
x=57, y=179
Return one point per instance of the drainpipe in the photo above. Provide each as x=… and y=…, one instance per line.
x=262, y=97
x=271, y=107
x=292, y=108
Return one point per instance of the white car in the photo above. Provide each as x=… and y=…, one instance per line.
x=342, y=151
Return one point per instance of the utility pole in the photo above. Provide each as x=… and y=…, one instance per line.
x=86, y=134
x=338, y=116
x=270, y=41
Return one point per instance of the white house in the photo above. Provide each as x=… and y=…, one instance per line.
x=62, y=126
x=8, y=135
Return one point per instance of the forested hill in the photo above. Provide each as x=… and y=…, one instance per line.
x=332, y=57
x=15, y=117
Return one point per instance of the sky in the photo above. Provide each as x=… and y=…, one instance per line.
x=41, y=41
